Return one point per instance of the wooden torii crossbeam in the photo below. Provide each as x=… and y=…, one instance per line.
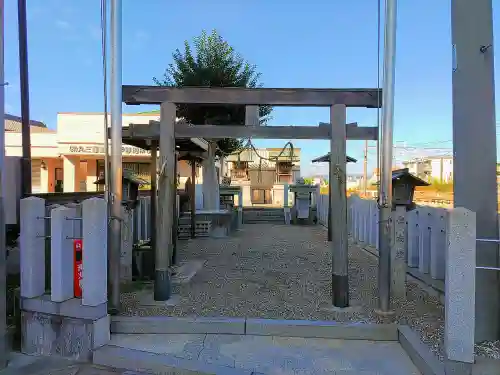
x=323, y=131
x=337, y=131
x=367, y=98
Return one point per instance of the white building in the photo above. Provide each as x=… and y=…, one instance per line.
x=432, y=168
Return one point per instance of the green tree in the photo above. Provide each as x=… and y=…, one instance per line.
x=309, y=180
x=209, y=61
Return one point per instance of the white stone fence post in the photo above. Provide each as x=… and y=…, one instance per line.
x=61, y=227
x=32, y=247
x=57, y=322
x=460, y=291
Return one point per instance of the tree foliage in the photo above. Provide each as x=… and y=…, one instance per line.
x=309, y=180
x=209, y=61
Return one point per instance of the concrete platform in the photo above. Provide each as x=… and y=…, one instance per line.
x=173, y=344
x=252, y=354
x=21, y=364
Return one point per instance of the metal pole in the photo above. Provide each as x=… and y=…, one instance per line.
x=384, y=277
x=3, y=254
x=329, y=202
x=104, y=16
x=116, y=151
x=475, y=147
x=154, y=196
x=25, y=100
x=105, y=92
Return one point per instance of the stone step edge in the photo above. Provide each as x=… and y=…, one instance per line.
x=151, y=363
x=258, y=327
x=265, y=220
x=146, y=362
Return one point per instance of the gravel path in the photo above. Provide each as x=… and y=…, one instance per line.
x=277, y=271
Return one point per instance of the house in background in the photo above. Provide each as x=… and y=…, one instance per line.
x=432, y=168
x=43, y=152
x=71, y=158
x=262, y=180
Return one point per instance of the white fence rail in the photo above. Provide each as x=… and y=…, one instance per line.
x=423, y=235
x=439, y=243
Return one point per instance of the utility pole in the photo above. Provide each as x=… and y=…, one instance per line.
x=365, y=169
x=116, y=153
x=385, y=199
x=25, y=99
x=474, y=146
x=3, y=252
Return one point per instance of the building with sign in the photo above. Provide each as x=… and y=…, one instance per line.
x=71, y=157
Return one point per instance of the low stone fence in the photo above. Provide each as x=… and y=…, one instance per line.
x=55, y=322
x=421, y=233
x=437, y=243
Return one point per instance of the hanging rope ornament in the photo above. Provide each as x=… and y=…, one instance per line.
x=259, y=173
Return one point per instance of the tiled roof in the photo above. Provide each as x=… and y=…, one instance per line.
x=326, y=159
x=13, y=124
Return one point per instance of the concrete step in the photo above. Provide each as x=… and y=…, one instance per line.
x=254, y=346
x=263, y=212
x=262, y=216
x=264, y=222
x=267, y=218
x=158, y=363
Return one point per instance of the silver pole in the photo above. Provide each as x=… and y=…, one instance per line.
x=116, y=151
x=3, y=253
x=384, y=277
x=104, y=25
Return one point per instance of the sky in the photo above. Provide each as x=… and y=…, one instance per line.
x=318, y=43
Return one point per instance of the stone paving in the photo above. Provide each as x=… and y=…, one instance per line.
x=284, y=272
x=279, y=355
x=266, y=270
x=20, y=364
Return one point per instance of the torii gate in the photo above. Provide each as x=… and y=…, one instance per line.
x=337, y=131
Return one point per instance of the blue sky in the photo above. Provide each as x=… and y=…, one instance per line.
x=317, y=43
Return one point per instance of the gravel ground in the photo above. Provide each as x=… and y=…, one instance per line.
x=277, y=271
